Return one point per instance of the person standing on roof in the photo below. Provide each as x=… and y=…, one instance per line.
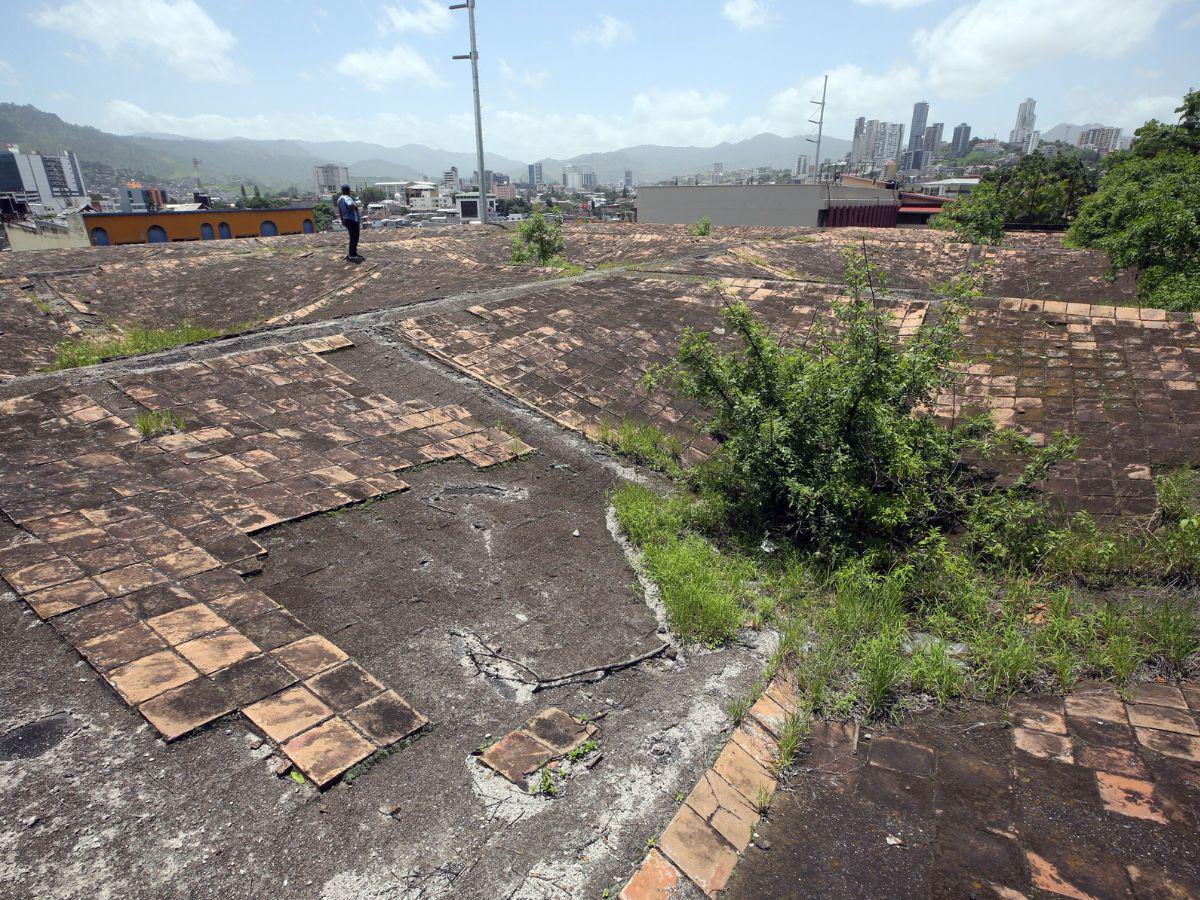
x=351, y=217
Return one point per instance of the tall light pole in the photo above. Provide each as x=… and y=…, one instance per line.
x=820, y=123
x=473, y=56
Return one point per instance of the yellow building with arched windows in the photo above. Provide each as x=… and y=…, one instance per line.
x=105, y=229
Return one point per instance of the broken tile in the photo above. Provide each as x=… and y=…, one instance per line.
x=558, y=730
x=698, y=850
x=655, y=879
x=1112, y=759
x=1168, y=743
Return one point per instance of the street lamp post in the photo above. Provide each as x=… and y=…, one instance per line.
x=473, y=56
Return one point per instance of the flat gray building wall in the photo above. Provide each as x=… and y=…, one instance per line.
x=749, y=204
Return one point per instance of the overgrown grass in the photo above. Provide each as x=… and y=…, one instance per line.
x=134, y=342
x=702, y=227
x=643, y=442
x=155, y=423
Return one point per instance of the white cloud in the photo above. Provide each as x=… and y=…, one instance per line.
x=607, y=32
x=1129, y=112
x=526, y=79
x=746, y=14
x=177, y=33
x=892, y=4
x=1192, y=21
x=985, y=44
x=379, y=69
x=427, y=17
x=852, y=92
x=8, y=75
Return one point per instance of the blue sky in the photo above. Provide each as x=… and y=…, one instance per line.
x=561, y=78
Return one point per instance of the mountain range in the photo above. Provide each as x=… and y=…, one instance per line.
x=281, y=163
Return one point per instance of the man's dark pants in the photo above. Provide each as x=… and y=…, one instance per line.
x=352, y=229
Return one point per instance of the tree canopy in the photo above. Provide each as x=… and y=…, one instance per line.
x=1146, y=213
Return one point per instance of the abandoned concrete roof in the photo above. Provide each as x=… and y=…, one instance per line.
x=384, y=542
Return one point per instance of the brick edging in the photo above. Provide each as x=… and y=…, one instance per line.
x=704, y=841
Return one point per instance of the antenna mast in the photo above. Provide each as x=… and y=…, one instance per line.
x=473, y=56
x=820, y=123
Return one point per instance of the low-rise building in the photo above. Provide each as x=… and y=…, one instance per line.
x=948, y=187
x=104, y=229
x=769, y=204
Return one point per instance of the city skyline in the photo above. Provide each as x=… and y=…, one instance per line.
x=202, y=68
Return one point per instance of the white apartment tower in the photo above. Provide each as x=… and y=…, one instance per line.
x=1026, y=120
x=329, y=178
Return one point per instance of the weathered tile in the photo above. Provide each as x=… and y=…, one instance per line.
x=116, y=648
x=150, y=676
x=61, y=598
x=274, y=629
x=252, y=679
x=1096, y=706
x=1158, y=695
x=386, y=719
x=287, y=713
x=183, y=709
x=1163, y=718
x=344, y=686
x=902, y=756
x=516, y=756
x=129, y=579
x=309, y=655
x=746, y=776
x=328, y=750
x=217, y=651
x=1130, y=797
x=185, y=624
x=1043, y=745
x=1112, y=759
x=1169, y=743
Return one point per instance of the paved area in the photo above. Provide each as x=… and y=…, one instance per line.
x=377, y=559
x=1091, y=797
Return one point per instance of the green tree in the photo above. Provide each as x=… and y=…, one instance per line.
x=977, y=217
x=323, y=213
x=1146, y=214
x=537, y=240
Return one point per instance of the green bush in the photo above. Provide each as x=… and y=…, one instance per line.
x=701, y=227
x=832, y=444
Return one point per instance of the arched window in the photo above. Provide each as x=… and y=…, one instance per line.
x=224, y=230
x=206, y=231
x=156, y=234
x=268, y=229
x=99, y=237
x=308, y=226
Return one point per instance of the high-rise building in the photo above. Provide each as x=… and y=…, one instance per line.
x=535, y=175
x=450, y=182
x=1031, y=143
x=48, y=184
x=932, y=143
x=718, y=173
x=1104, y=138
x=961, y=143
x=330, y=178
x=875, y=143
x=628, y=179
x=1026, y=120
x=916, y=132
x=801, y=170
x=578, y=178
